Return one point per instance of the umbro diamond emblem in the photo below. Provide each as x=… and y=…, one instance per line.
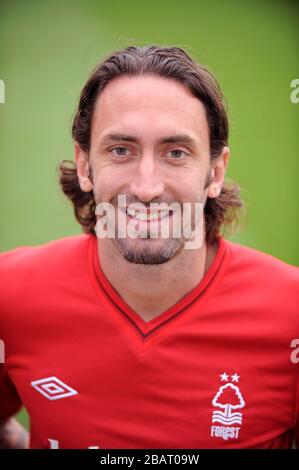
x=53, y=388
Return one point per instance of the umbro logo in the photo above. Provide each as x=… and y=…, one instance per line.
x=53, y=388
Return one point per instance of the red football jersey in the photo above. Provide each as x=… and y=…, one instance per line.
x=216, y=370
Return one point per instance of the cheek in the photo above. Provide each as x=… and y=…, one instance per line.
x=109, y=181
x=190, y=186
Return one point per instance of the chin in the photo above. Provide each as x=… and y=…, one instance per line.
x=148, y=251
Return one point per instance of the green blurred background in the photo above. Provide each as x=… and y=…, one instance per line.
x=47, y=49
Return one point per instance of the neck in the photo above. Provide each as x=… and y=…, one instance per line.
x=151, y=289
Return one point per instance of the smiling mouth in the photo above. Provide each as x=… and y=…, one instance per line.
x=148, y=216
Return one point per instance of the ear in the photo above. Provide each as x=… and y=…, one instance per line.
x=218, y=169
x=83, y=169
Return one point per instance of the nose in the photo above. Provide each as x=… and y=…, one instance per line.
x=147, y=182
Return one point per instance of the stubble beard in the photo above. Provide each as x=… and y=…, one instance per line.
x=154, y=251
x=151, y=251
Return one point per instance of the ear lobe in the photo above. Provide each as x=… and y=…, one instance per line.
x=83, y=169
x=85, y=184
x=216, y=184
x=213, y=191
x=218, y=171
x=211, y=183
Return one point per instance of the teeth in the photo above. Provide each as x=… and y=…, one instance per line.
x=147, y=216
x=131, y=212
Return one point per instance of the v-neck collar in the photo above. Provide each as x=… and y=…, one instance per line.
x=147, y=330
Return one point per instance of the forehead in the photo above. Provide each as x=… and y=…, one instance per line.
x=148, y=105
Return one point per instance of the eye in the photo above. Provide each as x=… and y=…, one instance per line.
x=120, y=151
x=177, y=154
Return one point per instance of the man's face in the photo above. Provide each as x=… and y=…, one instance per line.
x=149, y=142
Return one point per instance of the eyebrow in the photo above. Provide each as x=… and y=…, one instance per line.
x=183, y=139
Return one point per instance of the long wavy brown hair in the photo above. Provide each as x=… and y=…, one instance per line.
x=221, y=213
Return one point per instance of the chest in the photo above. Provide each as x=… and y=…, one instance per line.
x=191, y=389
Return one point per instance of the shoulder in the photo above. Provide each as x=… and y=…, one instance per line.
x=264, y=273
x=25, y=264
x=265, y=289
x=246, y=258
x=35, y=282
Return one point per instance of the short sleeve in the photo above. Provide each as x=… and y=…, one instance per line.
x=10, y=402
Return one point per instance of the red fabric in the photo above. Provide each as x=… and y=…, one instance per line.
x=221, y=353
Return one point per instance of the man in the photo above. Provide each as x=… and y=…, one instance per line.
x=136, y=340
